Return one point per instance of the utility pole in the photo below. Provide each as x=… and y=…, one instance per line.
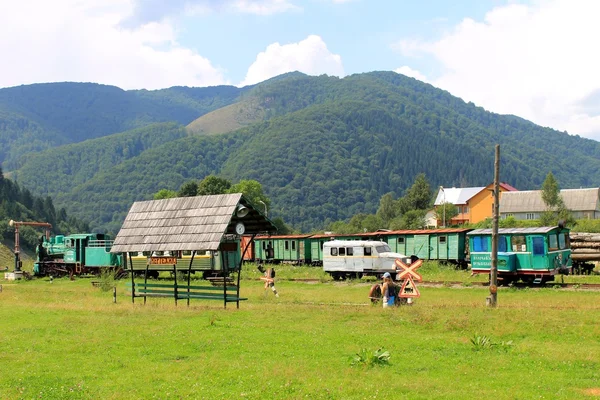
x=492, y=300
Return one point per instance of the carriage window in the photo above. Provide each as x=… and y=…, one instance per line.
x=563, y=241
x=517, y=243
x=480, y=243
x=349, y=251
x=552, y=242
x=502, y=244
x=334, y=251
x=368, y=251
x=322, y=246
x=264, y=245
x=442, y=239
x=342, y=251
x=400, y=240
x=287, y=245
x=538, y=246
x=293, y=245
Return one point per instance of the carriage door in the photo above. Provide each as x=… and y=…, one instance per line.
x=422, y=246
x=539, y=257
x=442, y=248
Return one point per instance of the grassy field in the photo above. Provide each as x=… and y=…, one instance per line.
x=66, y=339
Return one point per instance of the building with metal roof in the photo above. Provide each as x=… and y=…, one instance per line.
x=474, y=204
x=583, y=203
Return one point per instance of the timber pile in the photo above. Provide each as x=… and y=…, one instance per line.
x=585, y=246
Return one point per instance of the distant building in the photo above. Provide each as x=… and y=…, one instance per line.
x=473, y=204
x=528, y=204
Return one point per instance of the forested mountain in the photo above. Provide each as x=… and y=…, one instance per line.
x=42, y=116
x=18, y=204
x=323, y=148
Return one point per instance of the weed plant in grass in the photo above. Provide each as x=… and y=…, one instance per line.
x=67, y=339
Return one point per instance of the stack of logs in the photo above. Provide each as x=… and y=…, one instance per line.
x=585, y=248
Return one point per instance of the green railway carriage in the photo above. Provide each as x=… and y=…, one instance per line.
x=283, y=248
x=75, y=254
x=448, y=245
x=534, y=255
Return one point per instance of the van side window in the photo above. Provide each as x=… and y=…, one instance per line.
x=334, y=251
x=349, y=251
x=367, y=251
x=342, y=251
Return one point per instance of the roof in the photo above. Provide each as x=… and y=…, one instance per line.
x=274, y=237
x=531, y=200
x=508, y=187
x=506, y=231
x=456, y=195
x=186, y=223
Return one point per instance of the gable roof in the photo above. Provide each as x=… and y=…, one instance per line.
x=456, y=195
x=186, y=223
x=531, y=200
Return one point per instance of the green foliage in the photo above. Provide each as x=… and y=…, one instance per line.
x=165, y=194
x=445, y=212
x=364, y=357
x=188, y=189
x=413, y=219
x=107, y=279
x=213, y=185
x=551, y=192
x=253, y=192
x=587, y=225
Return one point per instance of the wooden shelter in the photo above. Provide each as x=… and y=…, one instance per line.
x=197, y=224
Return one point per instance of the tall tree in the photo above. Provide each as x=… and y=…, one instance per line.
x=188, y=189
x=551, y=192
x=387, y=208
x=213, y=185
x=419, y=194
x=253, y=192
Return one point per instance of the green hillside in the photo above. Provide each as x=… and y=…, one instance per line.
x=324, y=149
x=59, y=170
x=228, y=118
x=42, y=116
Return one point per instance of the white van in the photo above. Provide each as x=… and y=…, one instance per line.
x=355, y=258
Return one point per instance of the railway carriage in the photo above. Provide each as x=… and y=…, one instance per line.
x=534, y=255
x=283, y=248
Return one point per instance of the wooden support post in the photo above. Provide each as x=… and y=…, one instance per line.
x=190, y=276
x=493, y=299
x=128, y=255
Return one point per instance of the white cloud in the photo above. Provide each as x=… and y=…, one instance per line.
x=265, y=7
x=539, y=62
x=413, y=73
x=310, y=56
x=70, y=40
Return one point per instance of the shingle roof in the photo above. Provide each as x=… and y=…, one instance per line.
x=185, y=223
x=531, y=200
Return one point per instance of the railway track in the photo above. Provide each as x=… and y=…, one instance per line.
x=558, y=285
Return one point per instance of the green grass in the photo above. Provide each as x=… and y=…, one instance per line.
x=68, y=340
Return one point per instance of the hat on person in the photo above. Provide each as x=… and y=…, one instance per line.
x=387, y=275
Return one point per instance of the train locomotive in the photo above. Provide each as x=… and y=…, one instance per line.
x=85, y=253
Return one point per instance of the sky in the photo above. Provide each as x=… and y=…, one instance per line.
x=536, y=59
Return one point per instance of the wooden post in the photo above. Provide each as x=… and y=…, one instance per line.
x=493, y=299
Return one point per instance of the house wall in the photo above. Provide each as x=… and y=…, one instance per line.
x=480, y=205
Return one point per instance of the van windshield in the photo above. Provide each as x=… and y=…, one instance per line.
x=383, y=249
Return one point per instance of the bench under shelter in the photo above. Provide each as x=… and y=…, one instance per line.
x=179, y=234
